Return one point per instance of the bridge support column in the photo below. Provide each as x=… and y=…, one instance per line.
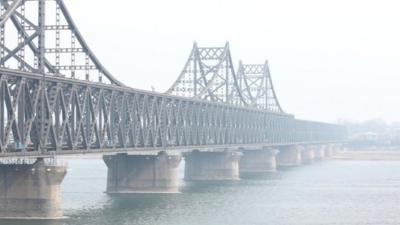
x=142, y=173
x=319, y=152
x=328, y=151
x=258, y=161
x=31, y=191
x=308, y=154
x=336, y=148
x=212, y=166
x=289, y=156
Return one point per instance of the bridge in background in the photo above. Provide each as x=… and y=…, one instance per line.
x=56, y=98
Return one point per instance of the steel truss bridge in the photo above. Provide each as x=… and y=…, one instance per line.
x=57, y=98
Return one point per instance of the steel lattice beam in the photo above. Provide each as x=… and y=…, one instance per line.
x=81, y=117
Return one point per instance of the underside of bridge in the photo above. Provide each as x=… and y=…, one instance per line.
x=56, y=98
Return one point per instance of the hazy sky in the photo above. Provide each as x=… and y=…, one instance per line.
x=329, y=59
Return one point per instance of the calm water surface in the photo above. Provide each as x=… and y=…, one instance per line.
x=329, y=192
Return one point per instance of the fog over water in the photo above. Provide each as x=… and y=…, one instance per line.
x=329, y=59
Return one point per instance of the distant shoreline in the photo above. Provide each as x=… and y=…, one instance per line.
x=375, y=155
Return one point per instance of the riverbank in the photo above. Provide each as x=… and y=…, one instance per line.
x=378, y=155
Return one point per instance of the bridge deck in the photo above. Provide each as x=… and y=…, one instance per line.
x=88, y=117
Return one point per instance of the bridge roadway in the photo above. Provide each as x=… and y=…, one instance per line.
x=57, y=99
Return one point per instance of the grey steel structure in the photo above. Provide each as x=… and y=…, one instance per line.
x=57, y=98
x=42, y=37
x=256, y=85
x=209, y=74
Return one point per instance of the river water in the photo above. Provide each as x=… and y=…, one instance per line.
x=324, y=193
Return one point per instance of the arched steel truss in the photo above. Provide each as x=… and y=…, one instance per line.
x=43, y=38
x=209, y=74
x=257, y=88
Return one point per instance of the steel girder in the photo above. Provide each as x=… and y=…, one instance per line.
x=43, y=38
x=81, y=117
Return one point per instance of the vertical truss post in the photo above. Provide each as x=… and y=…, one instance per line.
x=42, y=33
x=266, y=72
x=2, y=35
x=41, y=69
x=21, y=39
x=73, y=46
x=58, y=37
x=195, y=73
x=2, y=109
x=21, y=114
x=227, y=76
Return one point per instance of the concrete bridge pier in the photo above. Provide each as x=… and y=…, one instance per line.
x=320, y=152
x=328, y=151
x=289, y=156
x=142, y=173
x=308, y=154
x=30, y=190
x=258, y=161
x=212, y=165
x=336, y=148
